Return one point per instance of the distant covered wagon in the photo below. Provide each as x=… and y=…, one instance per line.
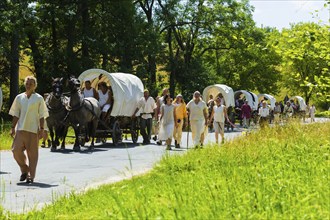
x=127, y=90
x=250, y=97
x=267, y=97
x=220, y=90
x=227, y=94
x=252, y=100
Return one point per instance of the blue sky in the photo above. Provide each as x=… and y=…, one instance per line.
x=281, y=13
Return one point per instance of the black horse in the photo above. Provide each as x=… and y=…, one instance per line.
x=84, y=114
x=57, y=112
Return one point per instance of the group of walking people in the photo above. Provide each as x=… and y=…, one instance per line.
x=280, y=111
x=171, y=116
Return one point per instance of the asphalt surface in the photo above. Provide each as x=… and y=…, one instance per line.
x=62, y=172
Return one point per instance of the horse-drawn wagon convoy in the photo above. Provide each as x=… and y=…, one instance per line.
x=99, y=105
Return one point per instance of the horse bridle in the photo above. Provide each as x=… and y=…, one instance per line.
x=52, y=109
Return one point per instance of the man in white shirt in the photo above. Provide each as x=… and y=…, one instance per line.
x=29, y=112
x=148, y=107
x=264, y=114
x=105, y=99
x=312, y=111
x=288, y=110
x=198, y=118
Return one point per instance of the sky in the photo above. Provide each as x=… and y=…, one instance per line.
x=280, y=13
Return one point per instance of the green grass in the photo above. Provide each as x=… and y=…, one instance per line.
x=325, y=114
x=6, y=140
x=280, y=173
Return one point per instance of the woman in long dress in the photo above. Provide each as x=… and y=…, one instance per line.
x=167, y=121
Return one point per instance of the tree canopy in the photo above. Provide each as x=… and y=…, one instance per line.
x=180, y=44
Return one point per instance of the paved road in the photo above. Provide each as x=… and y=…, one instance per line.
x=62, y=172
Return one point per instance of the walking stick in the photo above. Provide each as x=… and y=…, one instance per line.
x=188, y=134
x=188, y=129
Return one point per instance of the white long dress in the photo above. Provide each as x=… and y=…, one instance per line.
x=167, y=122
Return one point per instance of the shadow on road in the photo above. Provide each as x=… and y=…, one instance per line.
x=2, y=173
x=119, y=146
x=36, y=184
x=84, y=150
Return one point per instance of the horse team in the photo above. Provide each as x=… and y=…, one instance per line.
x=76, y=111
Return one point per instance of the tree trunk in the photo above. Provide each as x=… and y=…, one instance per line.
x=86, y=62
x=14, y=66
x=152, y=70
x=172, y=63
x=147, y=7
x=104, y=61
x=71, y=61
x=55, y=62
x=37, y=60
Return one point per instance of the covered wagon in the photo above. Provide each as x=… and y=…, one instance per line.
x=127, y=90
x=252, y=100
x=227, y=95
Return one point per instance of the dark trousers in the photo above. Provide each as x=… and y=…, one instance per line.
x=145, y=129
x=263, y=122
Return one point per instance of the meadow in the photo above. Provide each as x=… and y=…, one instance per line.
x=6, y=140
x=277, y=173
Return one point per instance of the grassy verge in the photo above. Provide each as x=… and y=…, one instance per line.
x=6, y=140
x=325, y=114
x=280, y=173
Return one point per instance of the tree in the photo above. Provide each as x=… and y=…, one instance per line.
x=250, y=63
x=12, y=14
x=306, y=60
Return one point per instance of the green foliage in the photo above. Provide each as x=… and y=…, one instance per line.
x=306, y=60
x=186, y=44
x=324, y=114
x=279, y=173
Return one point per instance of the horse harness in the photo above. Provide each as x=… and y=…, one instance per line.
x=78, y=107
x=52, y=109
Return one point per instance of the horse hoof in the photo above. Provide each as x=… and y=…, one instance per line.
x=52, y=149
x=76, y=148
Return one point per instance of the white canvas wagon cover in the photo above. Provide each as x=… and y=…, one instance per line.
x=301, y=101
x=127, y=89
x=250, y=97
x=270, y=98
x=226, y=91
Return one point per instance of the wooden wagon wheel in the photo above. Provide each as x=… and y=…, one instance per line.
x=116, y=133
x=134, y=131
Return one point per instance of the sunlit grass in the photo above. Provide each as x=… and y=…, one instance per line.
x=279, y=173
x=6, y=140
